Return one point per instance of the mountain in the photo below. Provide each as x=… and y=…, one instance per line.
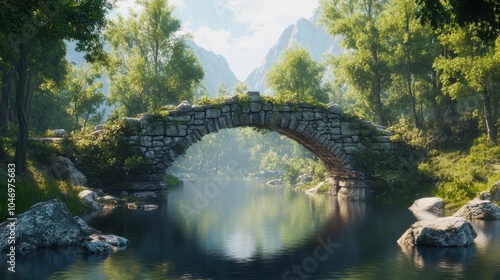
x=304, y=32
x=216, y=69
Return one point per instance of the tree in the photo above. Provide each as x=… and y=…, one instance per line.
x=201, y=90
x=84, y=93
x=150, y=64
x=297, y=76
x=413, y=47
x=474, y=71
x=364, y=67
x=240, y=88
x=469, y=30
x=222, y=90
x=33, y=28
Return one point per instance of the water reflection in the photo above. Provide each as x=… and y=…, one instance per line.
x=451, y=258
x=253, y=231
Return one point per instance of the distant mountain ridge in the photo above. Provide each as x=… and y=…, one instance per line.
x=216, y=69
x=304, y=32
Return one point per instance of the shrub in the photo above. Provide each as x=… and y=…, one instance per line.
x=107, y=157
x=172, y=180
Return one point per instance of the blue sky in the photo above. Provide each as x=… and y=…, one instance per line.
x=240, y=30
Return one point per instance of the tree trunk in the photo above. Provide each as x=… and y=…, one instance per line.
x=22, y=110
x=490, y=124
x=5, y=98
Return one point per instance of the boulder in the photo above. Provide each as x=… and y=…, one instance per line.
x=492, y=193
x=275, y=182
x=439, y=232
x=88, y=197
x=480, y=210
x=184, y=106
x=45, y=224
x=103, y=243
x=64, y=169
x=428, y=204
x=50, y=224
x=60, y=132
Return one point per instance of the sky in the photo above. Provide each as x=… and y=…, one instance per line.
x=242, y=31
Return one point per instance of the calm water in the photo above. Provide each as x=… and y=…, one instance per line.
x=247, y=230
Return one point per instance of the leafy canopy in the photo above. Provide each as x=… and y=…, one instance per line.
x=297, y=76
x=150, y=64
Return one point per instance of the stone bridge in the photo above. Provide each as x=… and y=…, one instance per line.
x=326, y=131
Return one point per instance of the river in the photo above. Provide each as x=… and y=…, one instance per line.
x=247, y=230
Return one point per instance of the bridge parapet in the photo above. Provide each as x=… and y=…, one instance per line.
x=324, y=130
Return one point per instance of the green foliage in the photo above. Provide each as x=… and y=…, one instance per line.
x=222, y=90
x=462, y=176
x=150, y=63
x=107, y=157
x=172, y=180
x=37, y=185
x=364, y=68
x=84, y=93
x=296, y=76
x=396, y=177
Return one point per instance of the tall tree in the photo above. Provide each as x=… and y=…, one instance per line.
x=150, y=64
x=469, y=29
x=474, y=71
x=30, y=26
x=222, y=90
x=84, y=93
x=364, y=67
x=413, y=47
x=297, y=76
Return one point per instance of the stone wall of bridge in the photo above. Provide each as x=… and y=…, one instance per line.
x=326, y=131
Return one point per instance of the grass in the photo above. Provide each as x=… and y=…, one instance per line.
x=37, y=185
x=461, y=176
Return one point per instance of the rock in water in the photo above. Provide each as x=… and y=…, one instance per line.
x=480, y=210
x=429, y=204
x=50, y=224
x=45, y=224
x=439, y=232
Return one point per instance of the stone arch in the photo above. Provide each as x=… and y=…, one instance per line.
x=324, y=130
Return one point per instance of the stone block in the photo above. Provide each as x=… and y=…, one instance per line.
x=155, y=128
x=255, y=107
x=253, y=96
x=301, y=126
x=184, y=118
x=146, y=141
x=213, y=113
x=182, y=130
x=222, y=123
x=267, y=107
x=171, y=130
x=308, y=116
x=348, y=128
x=199, y=115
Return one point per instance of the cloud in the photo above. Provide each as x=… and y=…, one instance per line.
x=240, y=30
x=263, y=22
x=178, y=4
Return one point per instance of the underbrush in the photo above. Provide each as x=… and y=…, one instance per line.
x=461, y=176
x=37, y=185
